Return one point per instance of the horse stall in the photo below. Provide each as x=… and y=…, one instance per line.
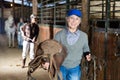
x=48, y=31
x=105, y=44
x=2, y=26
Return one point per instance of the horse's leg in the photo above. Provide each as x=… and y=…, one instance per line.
x=13, y=39
x=33, y=65
x=9, y=39
x=54, y=73
x=59, y=75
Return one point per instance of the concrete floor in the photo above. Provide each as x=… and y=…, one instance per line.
x=10, y=66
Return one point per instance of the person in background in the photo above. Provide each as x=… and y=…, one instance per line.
x=19, y=36
x=10, y=29
x=30, y=33
x=76, y=43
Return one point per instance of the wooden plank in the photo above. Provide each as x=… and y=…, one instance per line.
x=35, y=6
x=84, y=24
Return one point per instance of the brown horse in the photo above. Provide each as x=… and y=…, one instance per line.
x=48, y=51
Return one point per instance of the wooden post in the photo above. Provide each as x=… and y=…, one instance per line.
x=84, y=24
x=13, y=8
x=35, y=6
x=1, y=3
x=22, y=9
x=67, y=6
x=107, y=24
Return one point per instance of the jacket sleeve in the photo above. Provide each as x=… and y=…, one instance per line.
x=36, y=32
x=86, y=46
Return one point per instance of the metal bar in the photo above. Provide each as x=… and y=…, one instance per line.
x=113, y=9
x=99, y=4
x=106, y=35
x=67, y=5
x=41, y=10
x=95, y=12
x=54, y=13
x=103, y=9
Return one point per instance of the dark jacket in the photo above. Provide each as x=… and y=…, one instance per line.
x=34, y=31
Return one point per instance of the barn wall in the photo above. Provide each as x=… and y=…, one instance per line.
x=98, y=7
x=7, y=12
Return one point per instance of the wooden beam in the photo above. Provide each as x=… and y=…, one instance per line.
x=22, y=9
x=2, y=6
x=13, y=7
x=84, y=25
x=35, y=6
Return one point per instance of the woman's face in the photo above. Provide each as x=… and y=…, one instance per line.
x=21, y=20
x=73, y=21
x=33, y=20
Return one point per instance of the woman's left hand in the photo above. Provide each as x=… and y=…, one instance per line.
x=88, y=57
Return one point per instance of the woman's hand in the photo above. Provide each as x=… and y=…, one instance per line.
x=45, y=65
x=33, y=40
x=88, y=57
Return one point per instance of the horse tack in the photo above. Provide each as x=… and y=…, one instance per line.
x=92, y=68
x=117, y=45
x=48, y=51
